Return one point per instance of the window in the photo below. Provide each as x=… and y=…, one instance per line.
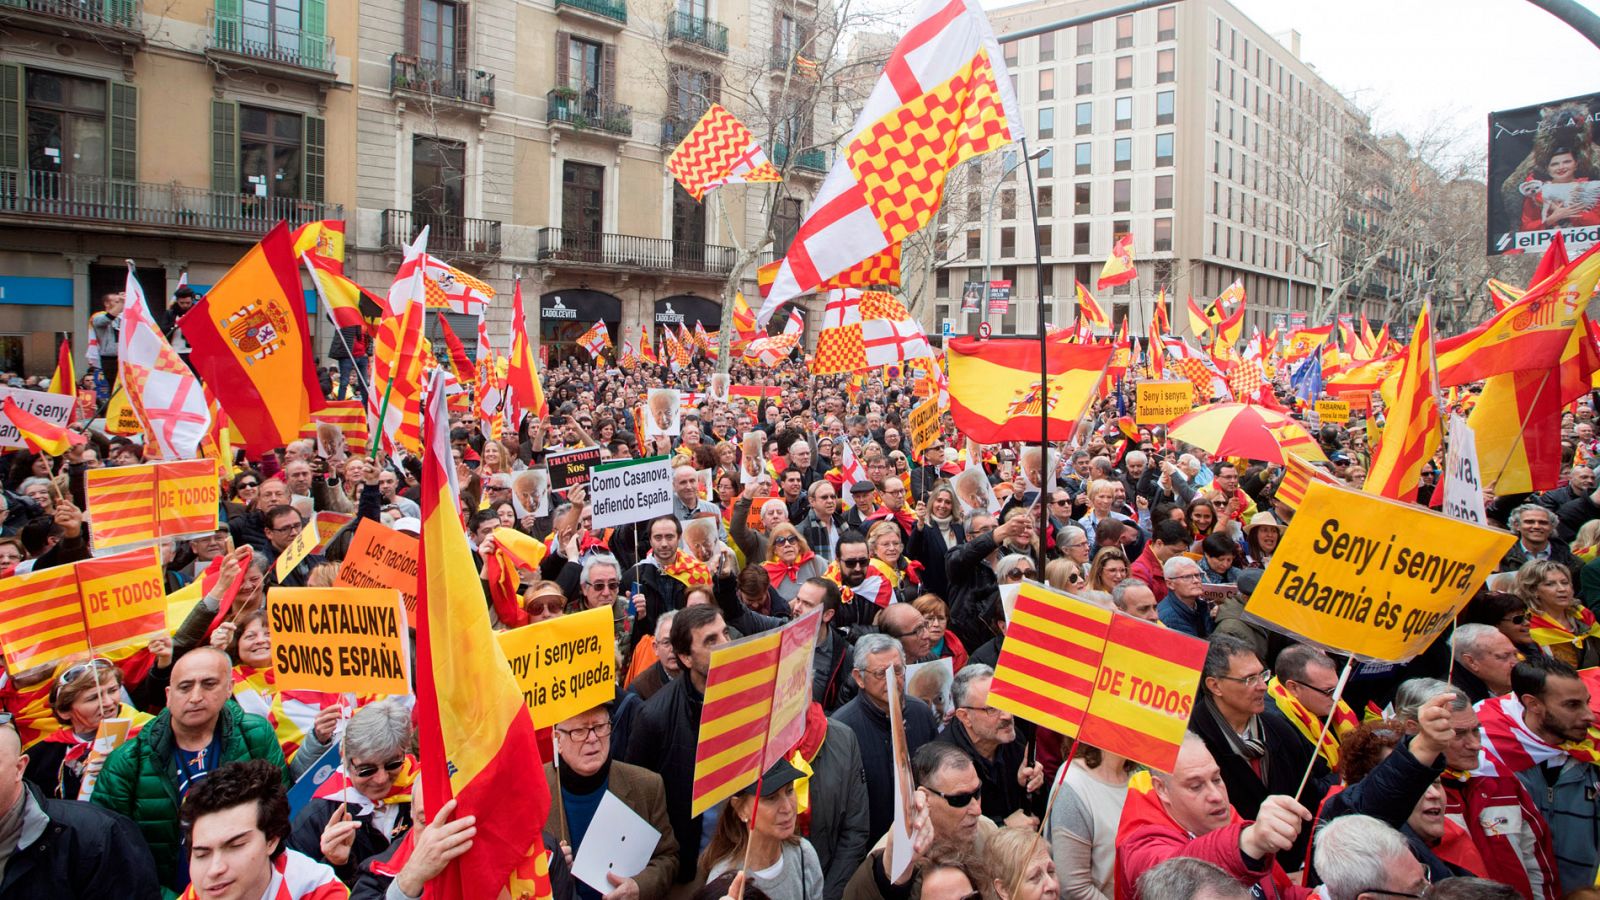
x=1009, y=49
x=270, y=160
x=1124, y=32
x=440, y=43
x=1163, y=235
x=974, y=244
x=1084, y=114
x=1047, y=164
x=1046, y=240
x=690, y=93
x=1121, y=195
x=1164, y=149
x=1008, y=204
x=1047, y=46
x=1165, y=102
x=1164, y=191
x=1082, y=198
x=1167, y=23
x=584, y=66
x=272, y=28
x=1046, y=202
x=582, y=203
x=1123, y=154
x=1085, y=78
x=1047, y=83
x=1008, y=242
x=1166, y=64
x=1124, y=107
x=974, y=205
x=688, y=226
x=1085, y=35
x=1080, y=238
x=1047, y=121
x=786, y=223
x=67, y=125
x=438, y=179
x=1083, y=156
x=1124, y=72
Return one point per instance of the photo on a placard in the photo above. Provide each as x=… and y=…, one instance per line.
x=663, y=413
x=719, y=387
x=1032, y=477
x=974, y=492
x=751, y=463
x=530, y=492
x=930, y=682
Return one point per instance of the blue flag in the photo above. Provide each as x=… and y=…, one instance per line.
x=1306, y=379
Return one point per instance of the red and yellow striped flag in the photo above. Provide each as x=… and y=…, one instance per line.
x=41, y=618
x=122, y=505
x=124, y=597
x=40, y=436
x=1297, y=476
x=1412, y=432
x=395, y=396
x=348, y=416
x=1144, y=692
x=1047, y=668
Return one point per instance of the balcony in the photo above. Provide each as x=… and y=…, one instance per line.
x=95, y=203
x=564, y=106
x=566, y=246
x=114, y=22
x=472, y=89
x=698, y=33
x=608, y=13
x=813, y=160
x=454, y=236
x=279, y=49
x=674, y=129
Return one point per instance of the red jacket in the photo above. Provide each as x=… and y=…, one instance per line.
x=1147, y=570
x=1147, y=837
x=1505, y=825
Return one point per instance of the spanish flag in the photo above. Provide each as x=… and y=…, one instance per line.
x=252, y=344
x=324, y=239
x=1089, y=310
x=1119, y=265
x=647, y=351
x=1411, y=433
x=1199, y=321
x=478, y=744
x=346, y=302
x=65, y=379
x=41, y=436
x=522, y=378
x=996, y=394
x=1305, y=340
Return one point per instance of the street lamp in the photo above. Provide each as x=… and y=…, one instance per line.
x=988, y=222
x=1289, y=276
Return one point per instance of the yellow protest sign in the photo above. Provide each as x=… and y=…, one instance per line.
x=1333, y=412
x=119, y=415
x=1159, y=402
x=298, y=549
x=564, y=665
x=339, y=639
x=1372, y=577
x=924, y=426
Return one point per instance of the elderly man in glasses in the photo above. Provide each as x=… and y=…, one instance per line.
x=366, y=804
x=1011, y=781
x=580, y=778
x=879, y=657
x=1184, y=607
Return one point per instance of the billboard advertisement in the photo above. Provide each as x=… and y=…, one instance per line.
x=1544, y=176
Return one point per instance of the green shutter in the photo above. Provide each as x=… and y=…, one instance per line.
x=10, y=116
x=314, y=49
x=316, y=157
x=226, y=29
x=121, y=12
x=224, y=147
x=124, y=145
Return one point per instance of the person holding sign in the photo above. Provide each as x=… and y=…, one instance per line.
x=82, y=697
x=283, y=526
x=759, y=836
x=304, y=721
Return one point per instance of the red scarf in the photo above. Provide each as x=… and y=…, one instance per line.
x=902, y=516
x=778, y=571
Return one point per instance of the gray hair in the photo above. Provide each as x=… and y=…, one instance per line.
x=1354, y=853
x=869, y=644
x=1220, y=654
x=1134, y=455
x=799, y=444
x=1119, y=591
x=1469, y=638
x=36, y=481
x=664, y=625
x=1067, y=532
x=599, y=559
x=1178, y=565
x=377, y=731
x=1414, y=693
x=1009, y=563
x=1187, y=878
x=1515, y=520
x=780, y=505
x=962, y=685
x=973, y=517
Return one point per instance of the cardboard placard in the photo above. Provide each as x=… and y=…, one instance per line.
x=298, y=549
x=328, y=524
x=631, y=490
x=380, y=557
x=97, y=604
x=339, y=639
x=924, y=423
x=134, y=504
x=124, y=597
x=570, y=467
x=563, y=665
x=1463, y=480
x=1159, y=402
x=1333, y=412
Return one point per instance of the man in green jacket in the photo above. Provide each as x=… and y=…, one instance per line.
x=146, y=778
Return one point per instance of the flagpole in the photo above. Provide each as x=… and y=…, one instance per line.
x=1047, y=475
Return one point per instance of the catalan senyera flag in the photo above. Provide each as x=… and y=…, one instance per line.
x=1199, y=321
x=719, y=150
x=1131, y=721
x=346, y=303
x=40, y=436
x=523, y=389
x=1047, y=667
x=1118, y=268
x=996, y=394
x=41, y=618
x=1530, y=334
x=395, y=396
x=477, y=741
x=136, y=577
x=348, y=416
x=65, y=378
x=944, y=97
x=122, y=505
x=252, y=344
x=755, y=703
x=325, y=239
x=1297, y=476
x=1412, y=431
x=162, y=390
x=1368, y=339
x=1089, y=310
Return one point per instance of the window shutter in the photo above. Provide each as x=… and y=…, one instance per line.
x=10, y=120
x=226, y=24
x=463, y=42
x=316, y=156
x=563, y=58
x=716, y=88
x=124, y=136
x=675, y=75
x=413, y=27
x=313, y=30
x=608, y=72
x=224, y=147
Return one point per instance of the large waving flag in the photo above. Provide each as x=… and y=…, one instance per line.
x=1306, y=378
x=346, y=302
x=252, y=345
x=1304, y=341
x=395, y=396
x=865, y=330
x=597, y=340
x=944, y=97
x=1090, y=312
x=162, y=391
x=1412, y=432
x=323, y=239
x=524, y=391
x=878, y=270
x=1230, y=327
x=647, y=350
x=996, y=394
x=1118, y=268
x=40, y=436
x=460, y=292
x=719, y=150
x=477, y=741
x=65, y=379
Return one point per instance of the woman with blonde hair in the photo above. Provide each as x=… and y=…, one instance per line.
x=323, y=575
x=790, y=561
x=763, y=832
x=1110, y=566
x=1019, y=861
x=1558, y=622
x=1064, y=575
x=495, y=459
x=886, y=545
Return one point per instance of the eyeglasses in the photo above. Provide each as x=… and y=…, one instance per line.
x=1420, y=889
x=292, y=526
x=957, y=799
x=605, y=585
x=1517, y=619
x=852, y=563
x=371, y=769
x=787, y=539
x=1186, y=577
x=1019, y=574
x=986, y=710
x=552, y=603
x=582, y=735
x=1324, y=692
x=248, y=484
x=881, y=672
x=1259, y=678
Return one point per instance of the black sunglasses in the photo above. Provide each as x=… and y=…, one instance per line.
x=957, y=799
x=371, y=769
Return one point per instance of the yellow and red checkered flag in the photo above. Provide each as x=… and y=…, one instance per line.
x=866, y=330
x=944, y=97
x=719, y=150
x=878, y=270
x=1089, y=310
x=1118, y=268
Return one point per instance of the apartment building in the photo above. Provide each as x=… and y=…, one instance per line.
x=1187, y=126
x=172, y=136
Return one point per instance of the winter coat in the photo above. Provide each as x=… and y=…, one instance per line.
x=839, y=820
x=305, y=835
x=1389, y=793
x=666, y=736
x=997, y=777
x=84, y=851
x=871, y=728
x=927, y=546
x=974, y=591
x=643, y=792
x=138, y=779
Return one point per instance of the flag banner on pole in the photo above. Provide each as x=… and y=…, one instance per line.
x=524, y=391
x=944, y=97
x=1051, y=657
x=346, y=303
x=346, y=417
x=100, y=604
x=1531, y=334
x=719, y=150
x=996, y=394
x=1090, y=312
x=65, y=378
x=1118, y=268
x=324, y=239
x=1412, y=430
x=450, y=288
x=878, y=270
x=1306, y=340
x=39, y=435
x=865, y=330
x=162, y=391
x=1297, y=476
x=1199, y=320
x=1144, y=692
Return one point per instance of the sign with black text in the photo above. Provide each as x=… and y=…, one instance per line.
x=570, y=467
x=630, y=490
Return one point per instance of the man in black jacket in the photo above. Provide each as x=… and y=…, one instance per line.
x=1011, y=783
x=63, y=848
x=974, y=591
x=661, y=591
x=878, y=657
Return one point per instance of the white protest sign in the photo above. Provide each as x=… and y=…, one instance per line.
x=53, y=408
x=630, y=490
x=1463, y=481
x=619, y=842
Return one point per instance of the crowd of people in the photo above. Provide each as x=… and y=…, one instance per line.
x=1468, y=772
